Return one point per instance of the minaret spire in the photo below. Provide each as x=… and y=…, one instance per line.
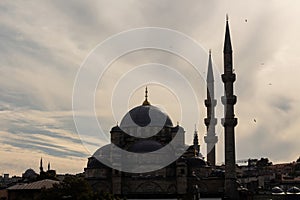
x=227, y=43
x=48, y=166
x=229, y=121
x=210, y=121
x=210, y=74
x=146, y=102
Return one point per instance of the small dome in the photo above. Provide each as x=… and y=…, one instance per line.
x=145, y=146
x=145, y=115
x=115, y=129
x=196, y=162
x=277, y=190
x=29, y=174
x=294, y=190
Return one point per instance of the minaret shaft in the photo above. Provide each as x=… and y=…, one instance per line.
x=210, y=139
x=229, y=121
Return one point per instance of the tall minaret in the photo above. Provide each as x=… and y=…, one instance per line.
x=229, y=121
x=210, y=139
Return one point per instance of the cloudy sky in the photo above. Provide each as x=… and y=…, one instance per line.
x=44, y=43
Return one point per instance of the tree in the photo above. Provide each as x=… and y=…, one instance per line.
x=73, y=188
x=263, y=162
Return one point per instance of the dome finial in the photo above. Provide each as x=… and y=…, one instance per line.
x=146, y=102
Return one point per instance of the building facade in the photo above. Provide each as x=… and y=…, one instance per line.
x=175, y=180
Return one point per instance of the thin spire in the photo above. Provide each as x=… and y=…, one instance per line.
x=196, y=142
x=210, y=74
x=227, y=42
x=48, y=166
x=41, y=165
x=146, y=102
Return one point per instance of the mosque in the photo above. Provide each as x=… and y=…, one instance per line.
x=188, y=176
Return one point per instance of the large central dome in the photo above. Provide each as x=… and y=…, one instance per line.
x=146, y=115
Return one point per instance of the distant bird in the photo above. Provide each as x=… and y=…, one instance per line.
x=254, y=120
x=262, y=63
x=246, y=20
x=270, y=83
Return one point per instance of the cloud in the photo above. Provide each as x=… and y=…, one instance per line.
x=282, y=103
x=41, y=133
x=42, y=45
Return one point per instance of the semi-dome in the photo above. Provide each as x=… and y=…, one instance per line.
x=145, y=146
x=101, y=154
x=94, y=163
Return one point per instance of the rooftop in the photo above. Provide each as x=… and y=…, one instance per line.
x=47, y=183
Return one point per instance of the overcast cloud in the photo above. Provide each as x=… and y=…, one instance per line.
x=43, y=44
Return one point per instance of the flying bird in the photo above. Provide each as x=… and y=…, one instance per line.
x=254, y=120
x=246, y=20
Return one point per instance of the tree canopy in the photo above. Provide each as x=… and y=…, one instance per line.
x=72, y=188
x=263, y=162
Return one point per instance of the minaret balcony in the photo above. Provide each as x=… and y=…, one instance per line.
x=211, y=139
x=229, y=122
x=209, y=103
x=228, y=100
x=228, y=77
x=210, y=121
